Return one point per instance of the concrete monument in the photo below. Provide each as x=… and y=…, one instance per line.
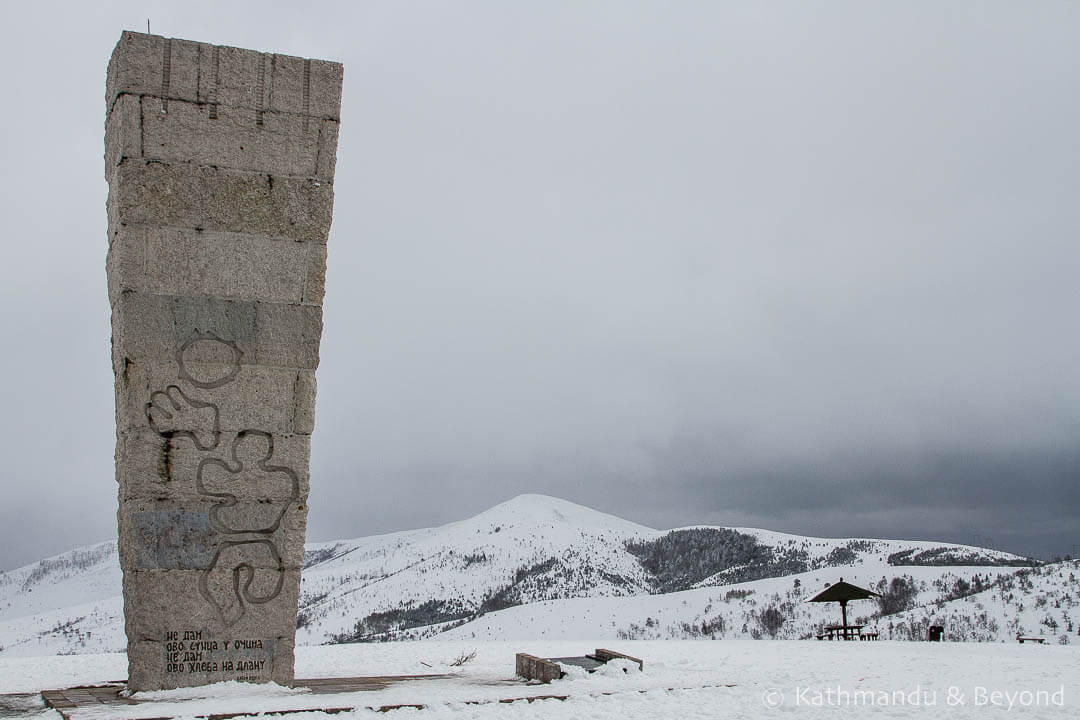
x=220, y=164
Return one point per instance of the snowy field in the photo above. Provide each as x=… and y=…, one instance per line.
x=682, y=679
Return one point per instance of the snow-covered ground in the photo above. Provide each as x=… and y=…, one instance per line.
x=682, y=679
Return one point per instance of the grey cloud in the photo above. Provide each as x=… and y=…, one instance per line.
x=703, y=263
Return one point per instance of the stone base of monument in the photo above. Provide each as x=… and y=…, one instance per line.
x=71, y=701
x=328, y=695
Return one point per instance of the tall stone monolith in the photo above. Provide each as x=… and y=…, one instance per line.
x=220, y=164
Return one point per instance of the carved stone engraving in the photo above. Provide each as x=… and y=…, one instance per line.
x=220, y=164
x=249, y=494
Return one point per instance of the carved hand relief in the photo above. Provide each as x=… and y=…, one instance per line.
x=173, y=413
x=249, y=492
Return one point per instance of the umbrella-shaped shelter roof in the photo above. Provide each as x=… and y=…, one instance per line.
x=842, y=592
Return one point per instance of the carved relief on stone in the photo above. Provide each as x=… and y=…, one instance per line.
x=249, y=491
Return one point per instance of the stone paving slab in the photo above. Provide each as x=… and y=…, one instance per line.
x=68, y=701
x=20, y=705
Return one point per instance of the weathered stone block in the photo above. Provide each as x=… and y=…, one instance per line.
x=202, y=197
x=135, y=67
x=125, y=262
x=281, y=78
x=287, y=335
x=191, y=534
x=183, y=261
x=155, y=600
x=165, y=68
x=123, y=132
x=275, y=400
x=167, y=467
x=237, y=78
x=304, y=392
x=326, y=82
x=290, y=76
x=222, y=75
x=281, y=144
x=315, y=284
x=162, y=328
x=244, y=659
x=326, y=163
x=531, y=667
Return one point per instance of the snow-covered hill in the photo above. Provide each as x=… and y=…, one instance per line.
x=1041, y=602
x=67, y=603
x=537, y=566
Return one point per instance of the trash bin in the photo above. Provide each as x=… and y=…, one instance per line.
x=935, y=633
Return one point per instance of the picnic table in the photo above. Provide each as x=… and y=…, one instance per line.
x=846, y=632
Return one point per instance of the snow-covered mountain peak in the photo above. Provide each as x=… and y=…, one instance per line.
x=544, y=511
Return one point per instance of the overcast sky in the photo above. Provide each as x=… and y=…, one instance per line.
x=804, y=266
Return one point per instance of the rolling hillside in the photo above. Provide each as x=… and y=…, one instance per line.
x=537, y=566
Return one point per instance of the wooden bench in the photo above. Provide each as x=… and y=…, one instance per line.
x=1023, y=640
x=849, y=632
